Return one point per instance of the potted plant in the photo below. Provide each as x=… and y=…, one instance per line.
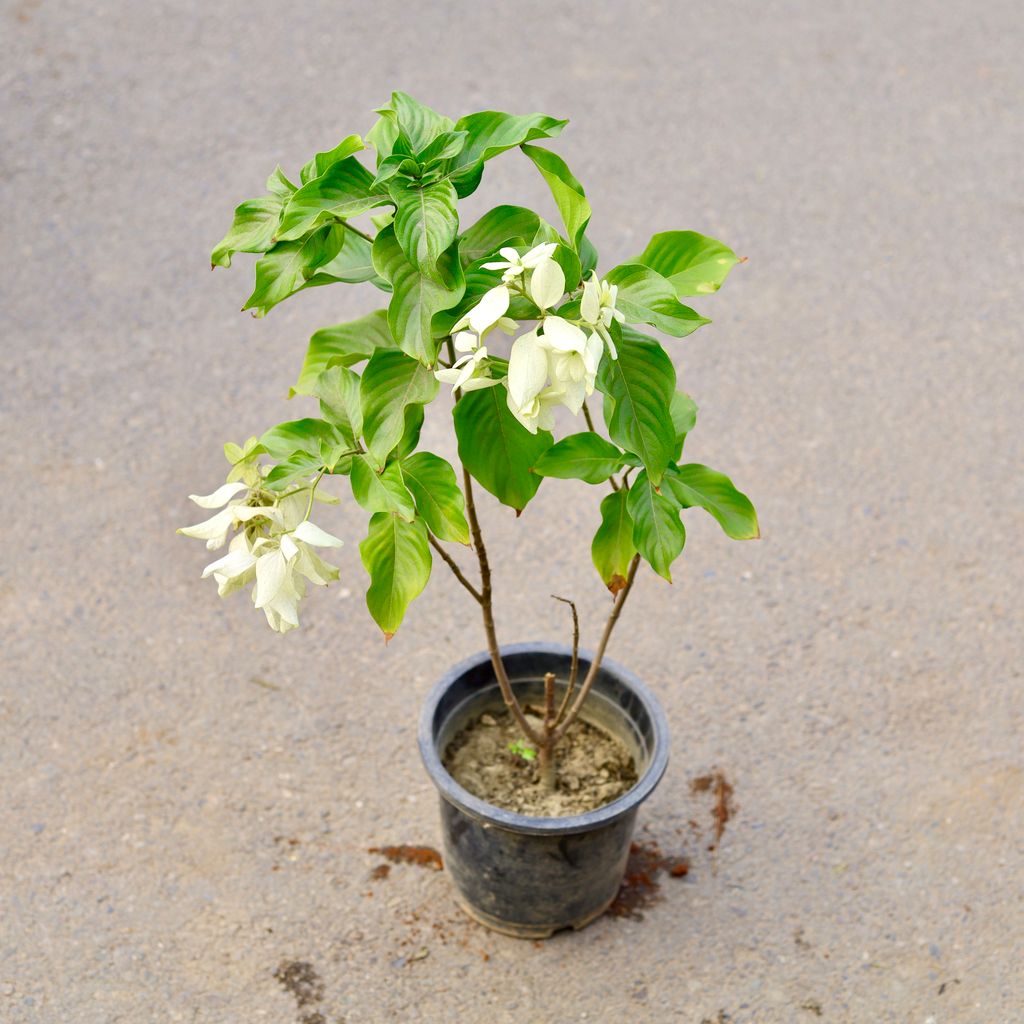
x=542, y=754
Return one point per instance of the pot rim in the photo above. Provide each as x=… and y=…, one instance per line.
x=513, y=821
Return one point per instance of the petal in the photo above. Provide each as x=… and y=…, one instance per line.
x=507, y=325
x=212, y=528
x=219, y=496
x=465, y=373
x=312, y=534
x=539, y=253
x=288, y=547
x=528, y=416
x=243, y=513
x=592, y=353
x=511, y=254
x=563, y=336
x=448, y=375
x=497, y=265
x=465, y=341
x=271, y=572
x=234, y=563
x=491, y=308
x=527, y=368
x=590, y=304
x=547, y=284
x=479, y=383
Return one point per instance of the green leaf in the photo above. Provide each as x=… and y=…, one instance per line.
x=567, y=191
x=658, y=534
x=383, y=135
x=496, y=448
x=684, y=419
x=613, y=549
x=439, y=499
x=446, y=146
x=491, y=132
x=338, y=390
x=588, y=257
x=381, y=492
x=410, y=439
x=426, y=221
x=586, y=456
x=416, y=297
x=352, y=264
x=390, y=382
x=343, y=190
x=694, y=484
x=504, y=225
x=252, y=230
x=300, y=466
x=345, y=344
x=279, y=185
x=316, y=438
x=397, y=163
x=640, y=385
x=285, y=269
x=322, y=161
x=645, y=297
x=396, y=554
x=693, y=264
x=418, y=123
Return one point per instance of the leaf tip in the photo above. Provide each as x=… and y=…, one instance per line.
x=387, y=637
x=616, y=583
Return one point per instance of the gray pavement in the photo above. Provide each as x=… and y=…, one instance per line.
x=188, y=798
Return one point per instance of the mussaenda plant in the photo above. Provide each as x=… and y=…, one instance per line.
x=454, y=294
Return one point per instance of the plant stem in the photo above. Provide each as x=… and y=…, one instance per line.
x=575, y=666
x=362, y=234
x=547, y=745
x=453, y=565
x=595, y=665
x=487, y=610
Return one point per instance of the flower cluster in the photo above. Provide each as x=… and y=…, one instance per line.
x=553, y=364
x=274, y=546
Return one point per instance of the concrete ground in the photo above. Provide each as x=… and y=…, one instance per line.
x=188, y=799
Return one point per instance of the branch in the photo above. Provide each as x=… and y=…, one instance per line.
x=361, y=234
x=613, y=617
x=488, y=614
x=574, y=670
x=453, y=565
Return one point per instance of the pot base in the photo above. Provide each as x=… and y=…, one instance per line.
x=525, y=931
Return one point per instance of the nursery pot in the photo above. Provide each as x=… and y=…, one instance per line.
x=530, y=876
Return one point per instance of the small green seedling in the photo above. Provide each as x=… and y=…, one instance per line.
x=522, y=749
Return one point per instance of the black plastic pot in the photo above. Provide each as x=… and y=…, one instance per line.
x=528, y=876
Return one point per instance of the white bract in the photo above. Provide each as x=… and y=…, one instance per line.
x=486, y=313
x=274, y=550
x=597, y=308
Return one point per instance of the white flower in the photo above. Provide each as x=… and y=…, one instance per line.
x=468, y=372
x=274, y=551
x=215, y=530
x=597, y=308
x=538, y=412
x=573, y=359
x=486, y=313
x=515, y=265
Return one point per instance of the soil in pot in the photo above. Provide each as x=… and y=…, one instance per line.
x=593, y=768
